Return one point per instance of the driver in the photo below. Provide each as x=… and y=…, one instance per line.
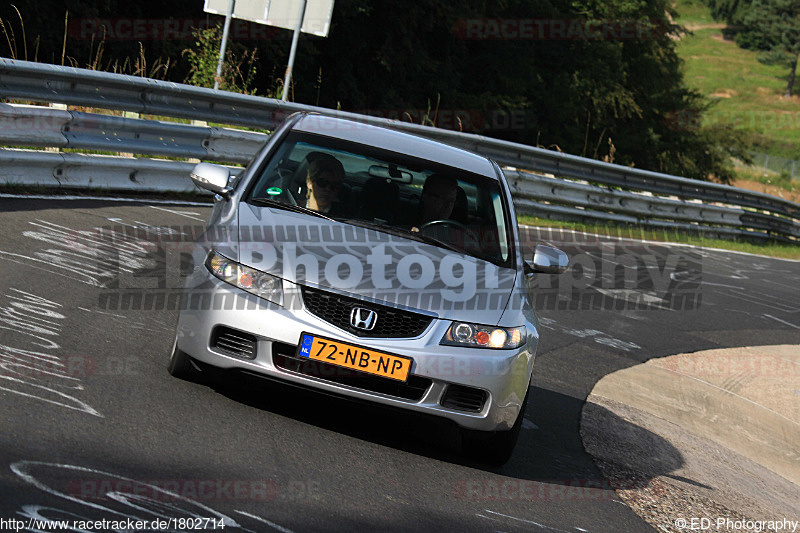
x=324, y=179
x=438, y=199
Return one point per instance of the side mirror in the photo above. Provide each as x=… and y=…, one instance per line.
x=212, y=178
x=549, y=260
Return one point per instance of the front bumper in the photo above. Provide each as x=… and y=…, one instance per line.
x=437, y=372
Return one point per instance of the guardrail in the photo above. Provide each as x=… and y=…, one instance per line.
x=26, y=125
x=572, y=187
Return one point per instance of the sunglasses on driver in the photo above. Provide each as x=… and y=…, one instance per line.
x=328, y=184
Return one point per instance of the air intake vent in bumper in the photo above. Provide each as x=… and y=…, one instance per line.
x=464, y=398
x=234, y=342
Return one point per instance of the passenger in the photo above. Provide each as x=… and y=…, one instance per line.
x=324, y=180
x=438, y=199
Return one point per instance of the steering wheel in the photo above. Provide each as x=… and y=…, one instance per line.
x=456, y=224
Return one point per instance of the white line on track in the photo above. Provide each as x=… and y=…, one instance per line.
x=795, y=326
x=187, y=214
x=524, y=521
x=271, y=524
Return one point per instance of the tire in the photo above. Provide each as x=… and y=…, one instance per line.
x=181, y=365
x=493, y=448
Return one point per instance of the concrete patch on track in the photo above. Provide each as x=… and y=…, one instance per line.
x=734, y=417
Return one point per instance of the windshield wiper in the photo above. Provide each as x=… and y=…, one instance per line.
x=414, y=235
x=289, y=207
x=374, y=225
x=436, y=242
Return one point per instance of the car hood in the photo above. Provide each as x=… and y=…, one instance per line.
x=372, y=265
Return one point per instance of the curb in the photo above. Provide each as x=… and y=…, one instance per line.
x=746, y=399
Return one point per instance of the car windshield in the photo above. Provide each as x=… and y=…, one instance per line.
x=396, y=193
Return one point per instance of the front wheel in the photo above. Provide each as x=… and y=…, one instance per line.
x=494, y=448
x=181, y=365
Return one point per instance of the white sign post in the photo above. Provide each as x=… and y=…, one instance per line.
x=308, y=16
x=287, y=78
x=253, y=10
x=224, y=44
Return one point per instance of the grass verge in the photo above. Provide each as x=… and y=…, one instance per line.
x=748, y=95
x=768, y=249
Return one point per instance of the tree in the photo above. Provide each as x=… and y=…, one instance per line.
x=773, y=26
x=731, y=11
x=573, y=90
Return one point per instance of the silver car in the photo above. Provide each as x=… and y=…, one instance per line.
x=371, y=264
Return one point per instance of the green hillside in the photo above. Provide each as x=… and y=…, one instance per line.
x=748, y=95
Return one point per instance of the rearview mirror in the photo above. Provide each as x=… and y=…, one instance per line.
x=390, y=173
x=549, y=260
x=212, y=178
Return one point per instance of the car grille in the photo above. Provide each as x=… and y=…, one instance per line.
x=464, y=398
x=336, y=310
x=283, y=357
x=233, y=342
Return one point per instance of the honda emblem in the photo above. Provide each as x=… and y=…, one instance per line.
x=362, y=318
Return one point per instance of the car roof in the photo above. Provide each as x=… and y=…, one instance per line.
x=395, y=141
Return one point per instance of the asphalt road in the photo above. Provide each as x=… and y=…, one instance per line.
x=93, y=427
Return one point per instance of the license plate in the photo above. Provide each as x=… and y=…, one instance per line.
x=354, y=357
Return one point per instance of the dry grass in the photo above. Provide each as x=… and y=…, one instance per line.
x=17, y=41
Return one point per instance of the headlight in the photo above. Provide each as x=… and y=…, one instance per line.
x=478, y=336
x=248, y=279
